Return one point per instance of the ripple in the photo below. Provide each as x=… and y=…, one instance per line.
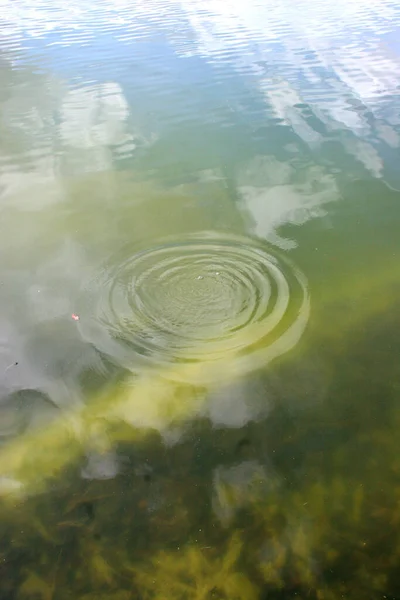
x=209, y=298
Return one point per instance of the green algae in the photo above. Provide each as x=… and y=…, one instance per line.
x=321, y=520
x=323, y=526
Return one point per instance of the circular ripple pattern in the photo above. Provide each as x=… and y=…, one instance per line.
x=211, y=299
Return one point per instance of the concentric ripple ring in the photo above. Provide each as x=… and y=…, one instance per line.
x=211, y=299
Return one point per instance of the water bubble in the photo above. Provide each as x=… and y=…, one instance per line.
x=208, y=298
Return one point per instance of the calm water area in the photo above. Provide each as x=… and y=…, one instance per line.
x=199, y=299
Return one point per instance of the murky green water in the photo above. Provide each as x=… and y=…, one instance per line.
x=199, y=291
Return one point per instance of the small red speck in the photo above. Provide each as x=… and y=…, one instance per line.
x=75, y=317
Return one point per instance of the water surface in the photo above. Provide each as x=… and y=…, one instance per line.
x=198, y=289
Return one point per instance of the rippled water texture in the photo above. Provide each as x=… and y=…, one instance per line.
x=189, y=190
x=281, y=123
x=206, y=297
x=137, y=126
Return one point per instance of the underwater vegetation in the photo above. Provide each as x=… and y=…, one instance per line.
x=328, y=529
x=197, y=573
x=302, y=503
x=165, y=399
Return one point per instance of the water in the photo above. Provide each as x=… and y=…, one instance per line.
x=199, y=293
x=197, y=299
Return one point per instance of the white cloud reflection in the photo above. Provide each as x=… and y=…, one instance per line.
x=55, y=131
x=334, y=57
x=273, y=195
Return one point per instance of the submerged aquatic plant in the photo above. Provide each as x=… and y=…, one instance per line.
x=155, y=401
x=196, y=573
x=328, y=529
